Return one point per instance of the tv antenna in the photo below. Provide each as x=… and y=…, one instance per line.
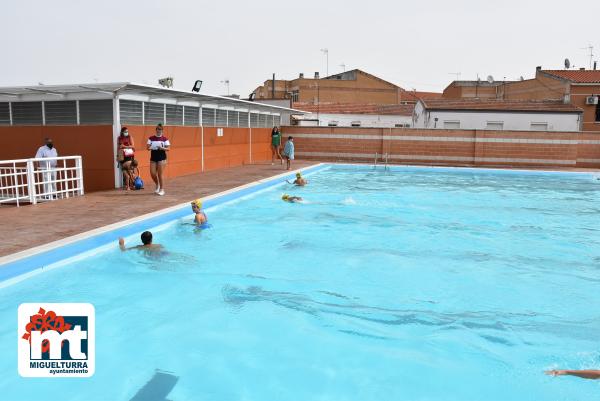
x=226, y=83
x=567, y=64
x=490, y=79
x=343, y=66
x=591, y=49
x=457, y=75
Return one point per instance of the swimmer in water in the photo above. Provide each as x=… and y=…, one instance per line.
x=147, y=244
x=584, y=374
x=200, y=217
x=291, y=199
x=299, y=181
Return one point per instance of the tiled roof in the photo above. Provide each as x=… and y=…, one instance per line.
x=577, y=76
x=357, y=108
x=416, y=95
x=500, y=105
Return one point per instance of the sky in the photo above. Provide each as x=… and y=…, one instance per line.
x=417, y=45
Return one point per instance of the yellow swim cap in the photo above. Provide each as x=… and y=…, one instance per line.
x=298, y=175
x=197, y=203
x=285, y=196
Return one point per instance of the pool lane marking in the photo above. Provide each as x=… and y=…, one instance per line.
x=26, y=261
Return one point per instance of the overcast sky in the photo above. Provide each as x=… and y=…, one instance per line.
x=415, y=44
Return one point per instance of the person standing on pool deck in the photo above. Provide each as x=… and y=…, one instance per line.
x=158, y=145
x=275, y=145
x=585, y=374
x=288, y=152
x=48, y=167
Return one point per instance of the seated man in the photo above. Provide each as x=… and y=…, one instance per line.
x=147, y=244
x=291, y=199
x=200, y=217
x=299, y=181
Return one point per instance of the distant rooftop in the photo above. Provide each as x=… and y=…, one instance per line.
x=478, y=83
x=355, y=108
x=500, y=105
x=577, y=76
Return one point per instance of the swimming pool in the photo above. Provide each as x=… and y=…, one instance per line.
x=409, y=284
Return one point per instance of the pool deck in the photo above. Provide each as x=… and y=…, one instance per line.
x=34, y=225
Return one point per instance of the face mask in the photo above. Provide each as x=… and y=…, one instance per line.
x=50, y=145
x=125, y=133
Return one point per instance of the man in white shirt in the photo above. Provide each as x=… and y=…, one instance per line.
x=48, y=167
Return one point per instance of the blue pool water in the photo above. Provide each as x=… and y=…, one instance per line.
x=415, y=284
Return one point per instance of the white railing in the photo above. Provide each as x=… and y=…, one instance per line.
x=40, y=180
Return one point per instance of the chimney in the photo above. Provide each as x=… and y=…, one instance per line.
x=595, y=63
x=301, y=75
x=538, y=68
x=581, y=68
x=273, y=89
x=316, y=74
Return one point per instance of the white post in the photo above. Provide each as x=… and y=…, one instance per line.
x=79, y=172
x=10, y=113
x=201, y=136
x=43, y=113
x=116, y=131
x=16, y=182
x=250, y=138
x=77, y=110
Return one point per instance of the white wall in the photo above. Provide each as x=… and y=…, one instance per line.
x=366, y=120
x=513, y=121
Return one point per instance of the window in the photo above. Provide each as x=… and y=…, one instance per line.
x=451, y=124
x=295, y=96
x=495, y=125
x=221, y=118
x=27, y=113
x=208, y=117
x=174, y=114
x=191, y=115
x=332, y=124
x=402, y=125
x=254, y=120
x=539, y=126
x=4, y=113
x=262, y=120
x=244, y=119
x=154, y=113
x=131, y=112
x=61, y=113
x=96, y=112
x=277, y=120
x=232, y=118
x=355, y=124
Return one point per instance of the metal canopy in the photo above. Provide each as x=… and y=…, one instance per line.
x=108, y=90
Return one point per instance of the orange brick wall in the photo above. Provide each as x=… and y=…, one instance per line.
x=448, y=147
x=92, y=142
x=95, y=145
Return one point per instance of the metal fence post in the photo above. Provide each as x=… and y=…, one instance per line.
x=79, y=171
x=31, y=183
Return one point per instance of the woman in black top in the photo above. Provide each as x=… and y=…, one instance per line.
x=158, y=145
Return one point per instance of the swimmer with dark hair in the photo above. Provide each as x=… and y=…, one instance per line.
x=147, y=244
x=291, y=199
x=299, y=181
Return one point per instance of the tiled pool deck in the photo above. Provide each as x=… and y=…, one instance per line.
x=34, y=225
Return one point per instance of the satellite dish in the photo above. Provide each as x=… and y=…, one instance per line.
x=567, y=63
x=490, y=79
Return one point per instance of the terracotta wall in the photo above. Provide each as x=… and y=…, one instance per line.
x=448, y=147
x=93, y=143
x=185, y=157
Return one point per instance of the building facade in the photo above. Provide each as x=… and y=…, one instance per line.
x=499, y=115
x=354, y=115
x=206, y=132
x=353, y=86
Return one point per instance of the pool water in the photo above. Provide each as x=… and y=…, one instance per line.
x=410, y=284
